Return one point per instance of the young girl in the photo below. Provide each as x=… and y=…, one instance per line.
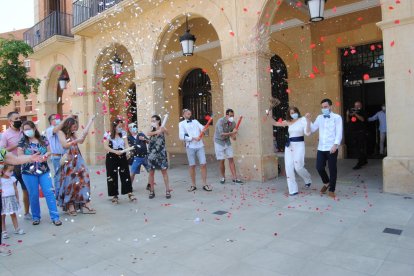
x=10, y=200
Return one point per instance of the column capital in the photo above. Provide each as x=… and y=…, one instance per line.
x=391, y=23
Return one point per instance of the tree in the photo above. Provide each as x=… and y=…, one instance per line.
x=13, y=74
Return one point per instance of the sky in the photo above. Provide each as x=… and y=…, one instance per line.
x=16, y=14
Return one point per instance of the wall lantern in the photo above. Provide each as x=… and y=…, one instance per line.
x=187, y=41
x=316, y=8
x=63, y=81
x=116, y=64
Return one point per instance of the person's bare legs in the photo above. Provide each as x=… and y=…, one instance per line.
x=151, y=179
x=192, y=172
x=14, y=221
x=132, y=177
x=222, y=169
x=26, y=201
x=232, y=168
x=203, y=169
x=166, y=180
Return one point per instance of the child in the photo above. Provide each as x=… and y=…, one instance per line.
x=10, y=201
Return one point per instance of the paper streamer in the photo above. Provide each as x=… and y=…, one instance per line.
x=164, y=121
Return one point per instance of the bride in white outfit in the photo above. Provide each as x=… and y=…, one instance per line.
x=295, y=149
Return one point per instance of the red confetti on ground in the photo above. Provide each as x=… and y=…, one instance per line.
x=19, y=241
x=392, y=43
x=397, y=2
x=98, y=172
x=397, y=21
x=390, y=7
x=334, y=9
x=366, y=77
x=100, y=194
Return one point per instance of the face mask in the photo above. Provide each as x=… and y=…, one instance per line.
x=29, y=133
x=17, y=124
x=57, y=121
x=325, y=111
x=134, y=130
x=231, y=119
x=119, y=129
x=294, y=116
x=154, y=125
x=383, y=108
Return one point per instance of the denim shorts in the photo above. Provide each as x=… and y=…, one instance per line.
x=223, y=152
x=136, y=164
x=192, y=153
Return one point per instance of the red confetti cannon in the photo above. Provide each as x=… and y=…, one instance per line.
x=239, y=122
x=205, y=127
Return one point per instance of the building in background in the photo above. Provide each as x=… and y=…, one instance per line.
x=26, y=107
x=244, y=55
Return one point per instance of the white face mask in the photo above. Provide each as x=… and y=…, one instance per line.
x=231, y=119
x=154, y=125
x=294, y=116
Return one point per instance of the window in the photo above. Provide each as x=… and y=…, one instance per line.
x=279, y=77
x=27, y=64
x=17, y=106
x=28, y=107
x=196, y=91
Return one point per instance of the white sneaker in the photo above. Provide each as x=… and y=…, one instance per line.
x=4, y=235
x=28, y=216
x=19, y=231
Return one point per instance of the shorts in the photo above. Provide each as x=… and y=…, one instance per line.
x=223, y=152
x=136, y=164
x=192, y=153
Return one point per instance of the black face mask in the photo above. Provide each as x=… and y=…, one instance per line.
x=17, y=124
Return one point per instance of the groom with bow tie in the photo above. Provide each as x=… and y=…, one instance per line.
x=189, y=132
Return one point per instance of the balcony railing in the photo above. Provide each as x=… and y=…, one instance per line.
x=85, y=9
x=56, y=23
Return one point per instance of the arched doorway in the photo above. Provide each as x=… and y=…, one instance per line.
x=131, y=103
x=279, y=77
x=196, y=94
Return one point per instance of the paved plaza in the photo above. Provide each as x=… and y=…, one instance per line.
x=263, y=232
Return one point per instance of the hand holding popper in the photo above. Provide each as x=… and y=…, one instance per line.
x=205, y=127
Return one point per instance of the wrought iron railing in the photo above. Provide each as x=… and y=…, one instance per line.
x=85, y=9
x=56, y=23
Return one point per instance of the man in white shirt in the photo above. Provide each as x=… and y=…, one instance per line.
x=382, y=118
x=189, y=132
x=330, y=127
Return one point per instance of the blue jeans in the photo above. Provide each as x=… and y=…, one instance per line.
x=32, y=184
x=56, y=177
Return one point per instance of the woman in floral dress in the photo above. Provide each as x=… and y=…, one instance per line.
x=157, y=155
x=75, y=182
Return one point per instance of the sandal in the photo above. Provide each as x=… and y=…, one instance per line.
x=89, y=210
x=151, y=195
x=115, y=200
x=36, y=222
x=71, y=211
x=192, y=189
x=207, y=188
x=131, y=197
x=57, y=222
x=168, y=195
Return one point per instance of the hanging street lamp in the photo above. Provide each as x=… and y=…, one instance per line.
x=316, y=8
x=116, y=64
x=63, y=81
x=187, y=41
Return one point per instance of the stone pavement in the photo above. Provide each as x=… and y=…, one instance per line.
x=264, y=232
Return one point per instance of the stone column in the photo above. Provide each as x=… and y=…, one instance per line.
x=150, y=99
x=247, y=89
x=398, y=166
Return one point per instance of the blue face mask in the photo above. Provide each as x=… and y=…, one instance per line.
x=119, y=129
x=29, y=133
x=57, y=121
x=294, y=116
x=325, y=111
x=134, y=130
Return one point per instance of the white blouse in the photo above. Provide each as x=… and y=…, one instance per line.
x=117, y=142
x=298, y=128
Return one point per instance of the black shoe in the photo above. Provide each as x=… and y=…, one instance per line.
x=151, y=195
x=307, y=186
x=363, y=163
x=357, y=167
x=148, y=187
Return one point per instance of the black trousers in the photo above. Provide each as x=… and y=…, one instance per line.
x=360, y=144
x=117, y=164
x=321, y=158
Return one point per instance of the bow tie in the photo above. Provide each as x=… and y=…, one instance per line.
x=189, y=121
x=327, y=116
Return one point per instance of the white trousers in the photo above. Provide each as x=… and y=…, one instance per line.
x=295, y=161
x=383, y=135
